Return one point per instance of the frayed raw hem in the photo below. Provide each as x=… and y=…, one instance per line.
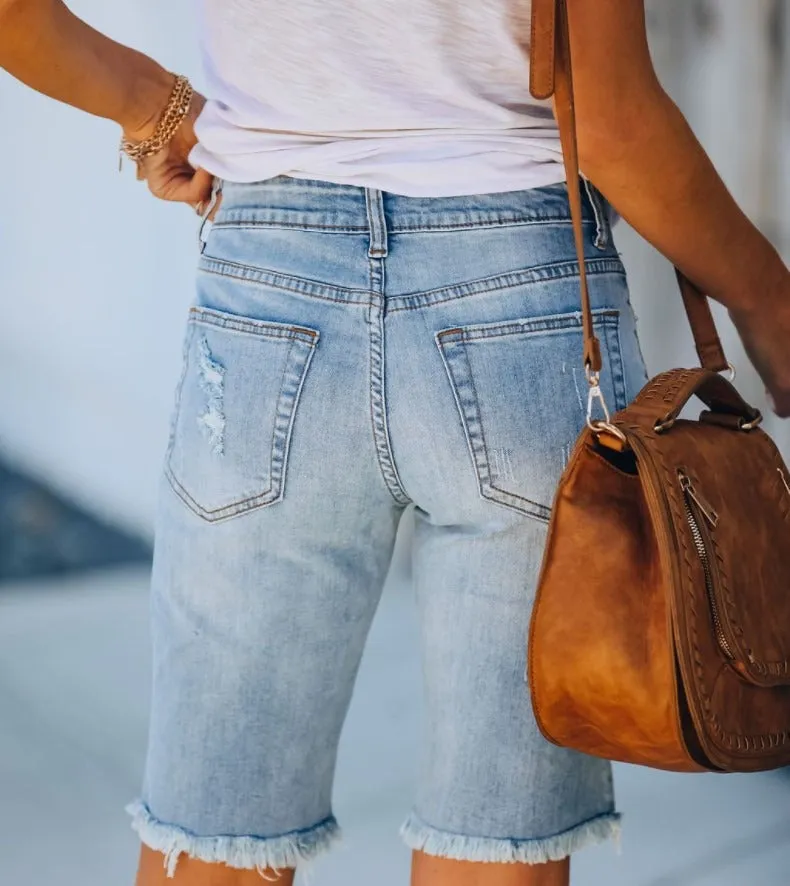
x=419, y=835
x=248, y=853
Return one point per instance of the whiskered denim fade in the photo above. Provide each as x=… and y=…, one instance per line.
x=350, y=354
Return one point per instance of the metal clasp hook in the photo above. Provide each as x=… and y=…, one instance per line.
x=595, y=393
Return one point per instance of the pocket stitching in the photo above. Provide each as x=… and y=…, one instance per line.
x=215, y=514
x=292, y=334
x=528, y=326
x=620, y=396
x=266, y=277
x=479, y=466
x=608, y=318
x=251, y=326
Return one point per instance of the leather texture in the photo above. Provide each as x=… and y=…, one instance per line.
x=706, y=339
x=541, y=48
x=660, y=633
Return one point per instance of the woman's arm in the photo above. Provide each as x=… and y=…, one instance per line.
x=636, y=146
x=48, y=48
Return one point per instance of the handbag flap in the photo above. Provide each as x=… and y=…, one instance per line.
x=729, y=495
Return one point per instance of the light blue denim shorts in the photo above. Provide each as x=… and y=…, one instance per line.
x=352, y=353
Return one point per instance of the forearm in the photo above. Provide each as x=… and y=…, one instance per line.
x=48, y=48
x=656, y=174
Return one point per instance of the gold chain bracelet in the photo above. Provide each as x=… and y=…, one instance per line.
x=173, y=116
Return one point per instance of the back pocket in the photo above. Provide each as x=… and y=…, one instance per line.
x=521, y=393
x=235, y=409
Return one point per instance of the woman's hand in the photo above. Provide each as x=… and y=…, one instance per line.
x=764, y=328
x=43, y=44
x=168, y=172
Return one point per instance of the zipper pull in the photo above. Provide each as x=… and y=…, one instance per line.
x=705, y=509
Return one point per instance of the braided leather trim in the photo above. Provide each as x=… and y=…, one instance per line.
x=735, y=740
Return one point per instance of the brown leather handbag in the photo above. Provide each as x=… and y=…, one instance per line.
x=661, y=629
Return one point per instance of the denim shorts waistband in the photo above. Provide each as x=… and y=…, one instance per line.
x=311, y=204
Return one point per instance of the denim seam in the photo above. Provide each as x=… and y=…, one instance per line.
x=602, y=232
x=415, y=300
x=232, y=224
x=243, y=851
x=176, y=409
x=497, y=222
x=609, y=813
x=329, y=819
x=377, y=399
x=277, y=280
x=611, y=334
x=557, y=323
x=623, y=368
x=418, y=834
x=218, y=514
x=539, y=274
x=250, y=326
x=402, y=228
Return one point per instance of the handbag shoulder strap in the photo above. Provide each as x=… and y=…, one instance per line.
x=551, y=75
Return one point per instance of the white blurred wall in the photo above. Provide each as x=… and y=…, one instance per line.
x=95, y=279
x=95, y=276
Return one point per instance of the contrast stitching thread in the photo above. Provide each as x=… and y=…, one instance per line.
x=259, y=328
x=277, y=280
x=505, y=221
x=537, y=274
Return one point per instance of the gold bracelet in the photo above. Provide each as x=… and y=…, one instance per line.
x=173, y=116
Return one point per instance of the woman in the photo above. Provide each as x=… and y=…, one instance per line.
x=386, y=314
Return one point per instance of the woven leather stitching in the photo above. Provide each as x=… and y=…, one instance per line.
x=732, y=739
x=659, y=385
x=775, y=739
x=762, y=667
x=769, y=667
x=725, y=586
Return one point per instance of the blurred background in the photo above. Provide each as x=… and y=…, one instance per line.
x=95, y=279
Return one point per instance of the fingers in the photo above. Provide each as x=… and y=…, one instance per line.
x=180, y=185
x=177, y=182
x=780, y=403
x=198, y=190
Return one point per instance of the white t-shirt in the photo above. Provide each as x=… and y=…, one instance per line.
x=417, y=97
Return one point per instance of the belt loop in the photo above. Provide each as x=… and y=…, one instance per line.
x=600, y=209
x=374, y=202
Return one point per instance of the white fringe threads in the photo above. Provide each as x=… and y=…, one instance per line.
x=419, y=835
x=246, y=853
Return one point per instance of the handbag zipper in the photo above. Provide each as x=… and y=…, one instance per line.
x=692, y=498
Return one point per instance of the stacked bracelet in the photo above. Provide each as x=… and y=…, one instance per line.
x=173, y=116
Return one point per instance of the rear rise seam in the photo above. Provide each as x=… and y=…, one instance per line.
x=377, y=254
